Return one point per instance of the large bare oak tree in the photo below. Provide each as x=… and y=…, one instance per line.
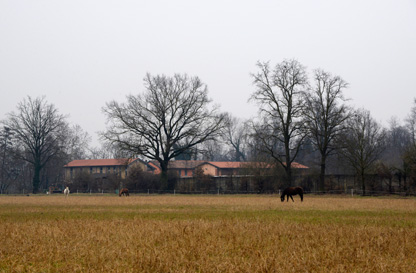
x=169, y=118
x=39, y=131
x=279, y=95
x=325, y=115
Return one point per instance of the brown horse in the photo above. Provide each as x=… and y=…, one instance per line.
x=292, y=191
x=124, y=191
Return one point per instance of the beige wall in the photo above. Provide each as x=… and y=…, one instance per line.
x=121, y=169
x=208, y=169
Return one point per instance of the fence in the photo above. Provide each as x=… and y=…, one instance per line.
x=334, y=184
x=351, y=192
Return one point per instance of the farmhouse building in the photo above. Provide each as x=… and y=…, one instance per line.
x=105, y=167
x=187, y=168
x=101, y=168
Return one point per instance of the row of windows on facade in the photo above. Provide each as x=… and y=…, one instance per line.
x=100, y=170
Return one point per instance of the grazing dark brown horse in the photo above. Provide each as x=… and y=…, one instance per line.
x=124, y=191
x=292, y=191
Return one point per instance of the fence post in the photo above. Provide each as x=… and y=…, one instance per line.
x=174, y=191
x=352, y=192
x=148, y=192
x=218, y=191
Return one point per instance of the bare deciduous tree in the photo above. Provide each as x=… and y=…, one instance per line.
x=77, y=143
x=279, y=94
x=235, y=135
x=173, y=112
x=38, y=128
x=398, y=140
x=325, y=115
x=411, y=122
x=212, y=150
x=409, y=163
x=363, y=143
x=108, y=150
x=9, y=163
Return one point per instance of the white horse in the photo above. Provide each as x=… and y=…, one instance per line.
x=66, y=191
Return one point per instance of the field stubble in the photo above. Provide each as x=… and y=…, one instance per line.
x=206, y=234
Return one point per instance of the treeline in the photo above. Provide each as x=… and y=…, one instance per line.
x=303, y=117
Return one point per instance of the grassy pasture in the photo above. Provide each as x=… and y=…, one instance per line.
x=166, y=233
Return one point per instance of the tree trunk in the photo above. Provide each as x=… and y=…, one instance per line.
x=390, y=185
x=36, y=178
x=363, y=182
x=289, y=175
x=322, y=175
x=405, y=184
x=400, y=182
x=164, y=176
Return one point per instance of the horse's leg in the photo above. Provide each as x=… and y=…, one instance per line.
x=291, y=197
x=301, y=197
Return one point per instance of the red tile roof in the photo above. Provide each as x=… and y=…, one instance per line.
x=237, y=165
x=191, y=164
x=227, y=164
x=298, y=166
x=180, y=164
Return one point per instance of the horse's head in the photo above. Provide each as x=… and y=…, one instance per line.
x=282, y=197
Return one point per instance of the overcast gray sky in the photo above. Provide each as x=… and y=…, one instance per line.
x=82, y=54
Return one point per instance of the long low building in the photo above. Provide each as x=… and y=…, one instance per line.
x=188, y=168
x=184, y=168
x=105, y=167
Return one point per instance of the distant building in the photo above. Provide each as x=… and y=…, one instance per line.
x=104, y=167
x=187, y=168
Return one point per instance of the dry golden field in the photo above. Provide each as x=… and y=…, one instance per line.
x=167, y=233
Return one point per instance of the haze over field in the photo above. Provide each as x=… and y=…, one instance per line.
x=81, y=55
